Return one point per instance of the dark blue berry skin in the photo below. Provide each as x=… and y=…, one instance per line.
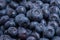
x=22, y=20
x=31, y=38
x=10, y=24
x=54, y=24
x=6, y=37
x=11, y=19
x=58, y=31
x=2, y=28
x=28, y=32
x=1, y=32
x=43, y=39
x=29, y=5
x=46, y=13
x=13, y=4
x=20, y=15
x=39, y=28
x=35, y=5
x=2, y=12
x=29, y=19
x=56, y=38
x=45, y=10
x=45, y=6
x=22, y=33
x=10, y=12
x=26, y=4
x=54, y=9
x=35, y=14
x=21, y=9
x=2, y=4
x=58, y=3
x=43, y=22
x=53, y=3
x=12, y=31
x=48, y=31
x=36, y=35
x=54, y=17
x=33, y=25
x=3, y=19
x=40, y=3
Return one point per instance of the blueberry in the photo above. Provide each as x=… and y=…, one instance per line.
x=6, y=37
x=21, y=9
x=13, y=4
x=10, y=24
x=35, y=34
x=54, y=17
x=2, y=12
x=28, y=32
x=45, y=6
x=48, y=31
x=2, y=4
x=3, y=19
x=54, y=24
x=40, y=3
x=46, y=13
x=10, y=12
x=12, y=31
x=37, y=26
x=31, y=38
x=54, y=9
x=35, y=14
x=53, y=3
x=57, y=31
x=56, y=38
x=22, y=20
x=28, y=4
x=44, y=39
x=22, y=33
x=33, y=24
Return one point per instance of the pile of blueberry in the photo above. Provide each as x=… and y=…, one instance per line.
x=29, y=19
